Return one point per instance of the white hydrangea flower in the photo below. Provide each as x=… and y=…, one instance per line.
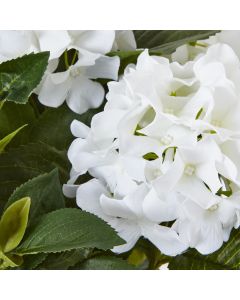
x=171, y=131
x=75, y=85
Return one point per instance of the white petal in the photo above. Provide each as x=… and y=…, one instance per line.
x=165, y=239
x=81, y=156
x=212, y=238
x=127, y=230
x=54, y=89
x=208, y=173
x=104, y=67
x=194, y=189
x=125, y=40
x=84, y=94
x=88, y=197
x=79, y=129
x=70, y=190
x=168, y=181
x=55, y=41
x=105, y=124
x=96, y=41
x=116, y=208
x=160, y=209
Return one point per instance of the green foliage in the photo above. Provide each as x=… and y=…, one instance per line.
x=166, y=41
x=13, y=224
x=53, y=126
x=227, y=257
x=68, y=229
x=20, y=164
x=64, y=260
x=7, y=139
x=18, y=77
x=105, y=263
x=45, y=192
x=13, y=116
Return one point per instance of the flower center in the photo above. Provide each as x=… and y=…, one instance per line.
x=167, y=139
x=216, y=123
x=157, y=173
x=74, y=72
x=189, y=170
x=213, y=207
x=168, y=111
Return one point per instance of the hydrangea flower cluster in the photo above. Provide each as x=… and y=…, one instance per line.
x=165, y=152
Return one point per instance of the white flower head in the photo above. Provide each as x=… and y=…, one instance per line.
x=164, y=152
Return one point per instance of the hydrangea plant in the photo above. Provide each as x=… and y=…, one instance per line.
x=119, y=149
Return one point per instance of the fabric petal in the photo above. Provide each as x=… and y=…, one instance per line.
x=104, y=67
x=165, y=239
x=84, y=94
x=79, y=129
x=54, y=89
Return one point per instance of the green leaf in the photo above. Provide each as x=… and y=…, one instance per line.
x=45, y=192
x=18, y=77
x=9, y=261
x=13, y=224
x=166, y=41
x=68, y=229
x=53, y=126
x=64, y=260
x=32, y=262
x=227, y=257
x=20, y=164
x=7, y=139
x=12, y=116
x=105, y=263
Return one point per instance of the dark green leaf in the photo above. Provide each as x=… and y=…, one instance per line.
x=20, y=164
x=53, y=127
x=64, y=260
x=7, y=139
x=45, y=192
x=227, y=257
x=105, y=263
x=166, y=41
x=13, y=116
x=18, y=77
x=31, y=262
x=68, y=229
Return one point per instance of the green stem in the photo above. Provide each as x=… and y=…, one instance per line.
x=66, y=59
x=74, y=57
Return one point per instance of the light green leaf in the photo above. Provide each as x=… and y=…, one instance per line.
x=19, y=77
x=7, y=139
x=45, y=192
x=13, y=224
x=227, y=257
x=9, y=261
x=68, y=229
x=105, y=263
